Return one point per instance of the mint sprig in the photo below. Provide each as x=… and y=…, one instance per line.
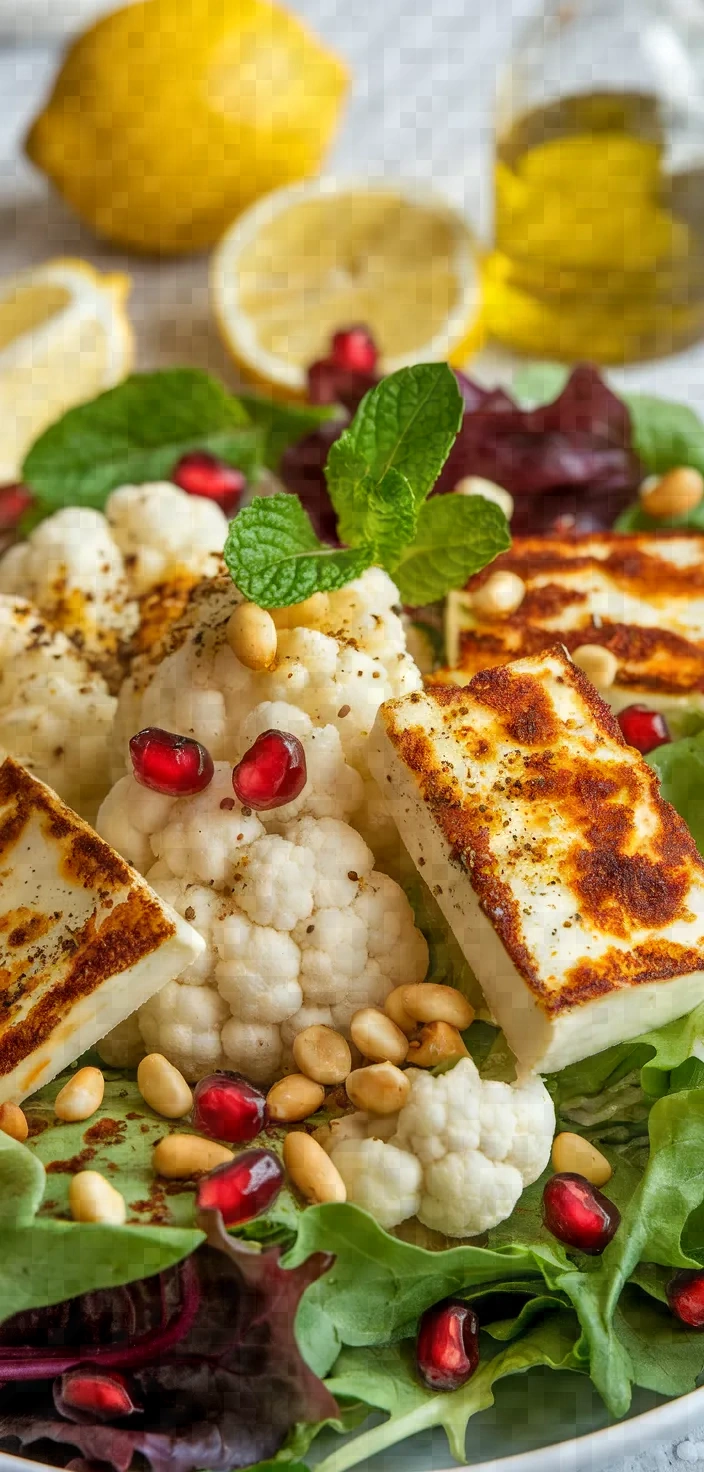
x=379, y=474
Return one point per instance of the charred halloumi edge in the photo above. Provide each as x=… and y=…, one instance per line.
x=647, y=606
x=598, y=985
x=84, y=940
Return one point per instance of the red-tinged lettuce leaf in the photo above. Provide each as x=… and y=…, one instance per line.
x=569, y=464
x=208, y=1352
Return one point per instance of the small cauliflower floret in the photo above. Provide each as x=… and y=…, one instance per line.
x=476, y=1143
x=127, y=817
x=380, y=1178
x=286, y=944
x=160, y=530
x=55, y=713
x=72, y=570
x=367, y=612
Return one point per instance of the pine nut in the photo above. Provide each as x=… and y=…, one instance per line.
x=573, y=1153
x=381, y=1088
x=672, y=494
x=294, y=1098
x=310, y=613
x=499, y=596
x=92, y=1199
x=251, y=635
x=178, y=1157
x=13, y=1122
x=437, y=1043
x=475, y=485
x=81, y=1096
x=163, y=1088
x=599, y=664
x=311, y=1170
x=428, y=1001
x=394, y=1008
x=322, y=1054
x=377, y=1037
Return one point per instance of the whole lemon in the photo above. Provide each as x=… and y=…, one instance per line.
x=168, y=117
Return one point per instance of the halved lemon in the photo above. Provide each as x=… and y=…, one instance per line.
x=64, y=336
x=313, y=258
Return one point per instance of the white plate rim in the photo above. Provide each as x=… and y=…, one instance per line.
x=667, y=1422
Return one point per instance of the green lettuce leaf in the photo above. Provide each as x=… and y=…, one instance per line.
x=680, y=767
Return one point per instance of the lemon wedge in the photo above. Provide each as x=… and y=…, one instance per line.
x=64, y=336
x=316, y=257
x=168, y=117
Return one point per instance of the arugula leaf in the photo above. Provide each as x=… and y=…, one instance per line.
x=408, y=423
x=281, y=425
x=137, y=432
x=386, y=1379
x=456, y=536
x=275, y=558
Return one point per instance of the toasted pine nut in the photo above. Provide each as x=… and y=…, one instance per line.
x=381, y=1088
x=499, y=596
x=178, y=1157
x=322, y=1054
x=573, y=1153
x=251, y=635
x=347, y=1127
x=13, y=1122
x=81, y=1096
x=294, y=1098
x=92, y=1199
x=438, y=1041
x=599, y=664
x=428, y=1001
x=309, y=614
x=475, y=485
x=377, y=1037
x=163, y=1088
x=311, y=1170
x=672, y=494
x=394, y=1008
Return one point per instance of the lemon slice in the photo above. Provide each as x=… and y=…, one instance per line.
x=64, y=336
x=313, y=258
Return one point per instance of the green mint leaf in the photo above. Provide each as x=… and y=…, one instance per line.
x=382, y=514
x=281, y=424
x=137, y=432
x=275, y=558
x=456, y=537
x=407, y=423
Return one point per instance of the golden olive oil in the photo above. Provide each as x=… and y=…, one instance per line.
x=599, y=248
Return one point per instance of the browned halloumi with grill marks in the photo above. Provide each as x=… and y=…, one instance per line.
x=84, y=941
x=575, y=891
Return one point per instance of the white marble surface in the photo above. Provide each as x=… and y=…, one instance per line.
x=421, y=107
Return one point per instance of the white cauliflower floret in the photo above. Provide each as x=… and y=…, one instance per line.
x=55, y=713
x=72, y=570
x=288, y=943
x=160, y=530
x=382, y=1179
x=477, y=1143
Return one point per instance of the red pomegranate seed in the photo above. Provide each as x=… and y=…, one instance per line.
x=14, y=501
x=576, y=1213
x=354, y=349
x=685, y=1295
x=447, y=1350
x=244, y=1188
x=202, y=474
x=643, y=728
x=227, y=1107
x=272, y=772
x=175, y=765
x=97, y=1393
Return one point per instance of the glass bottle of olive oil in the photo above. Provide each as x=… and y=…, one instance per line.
x=599, y=183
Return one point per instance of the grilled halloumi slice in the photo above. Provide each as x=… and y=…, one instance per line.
x=639, y=595
x=575, y=892
x=84, y=941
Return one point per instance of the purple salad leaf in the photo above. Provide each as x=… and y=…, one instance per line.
x=206, y=1354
